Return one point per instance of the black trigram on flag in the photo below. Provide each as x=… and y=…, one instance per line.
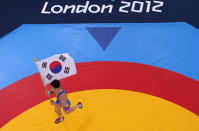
x=49, y=76
x=62, y=58
x=66, y=70
x=44, y=65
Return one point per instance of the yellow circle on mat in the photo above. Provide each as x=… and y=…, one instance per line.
x=109, y=110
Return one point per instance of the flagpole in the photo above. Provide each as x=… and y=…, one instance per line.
x=42, y=79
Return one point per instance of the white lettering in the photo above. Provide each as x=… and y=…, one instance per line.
x=68, y=7
x=105, y=7
x=59, y=7
x=90, y=8
x=141, y=4
x=127, y=4
x=44, y=9
x=85, y=7
x=154, y=8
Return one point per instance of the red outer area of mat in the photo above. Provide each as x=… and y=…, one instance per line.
x=162, y=83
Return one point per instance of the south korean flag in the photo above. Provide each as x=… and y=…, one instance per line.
x=56, y=67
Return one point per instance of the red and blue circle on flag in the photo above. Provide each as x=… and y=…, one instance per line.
x=55, y=67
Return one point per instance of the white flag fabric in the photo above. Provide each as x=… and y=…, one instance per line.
x=56, y=67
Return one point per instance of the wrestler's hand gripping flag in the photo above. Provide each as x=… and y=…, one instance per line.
x=56, y=67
